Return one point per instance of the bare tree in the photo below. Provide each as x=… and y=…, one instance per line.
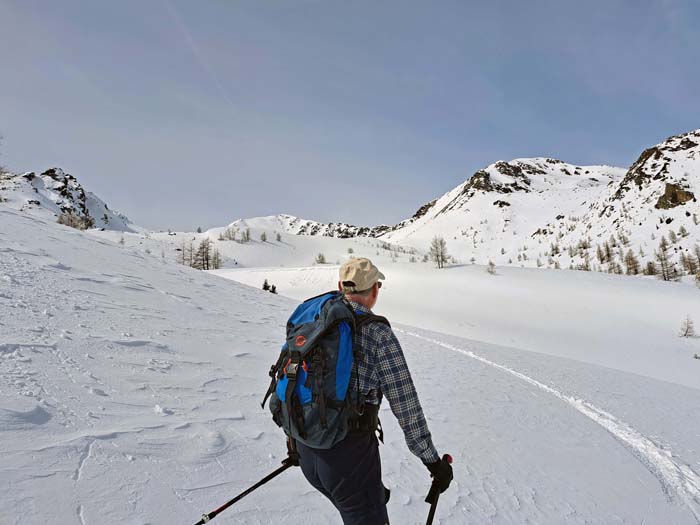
x=216, y=260
x=491, y=268
x=180, y=254
x=650, y=268
x=229, y=234
x=263, y=237
x=631, y=263
x=202, y=258
x=438, y=251
x=667, y=269
x=245, y=236
x=185, y=253
x=687, y=328
x=689, y=264
x=586, y=265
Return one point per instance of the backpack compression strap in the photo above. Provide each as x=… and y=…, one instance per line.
x=294, y=409
x=274, y=375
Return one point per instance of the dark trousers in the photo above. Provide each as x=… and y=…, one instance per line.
x=350, y=475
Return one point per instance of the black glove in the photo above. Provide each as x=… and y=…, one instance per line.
x=292, y=453
x=441, y=472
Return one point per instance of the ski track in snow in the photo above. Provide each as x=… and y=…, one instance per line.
x=84, y=456
x=677, y=479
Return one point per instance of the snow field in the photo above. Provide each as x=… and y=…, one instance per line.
x=677, y=479
x=130, y=390
x=626, y=323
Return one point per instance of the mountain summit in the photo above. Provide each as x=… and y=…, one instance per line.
x=548, y=213
x=54, y=193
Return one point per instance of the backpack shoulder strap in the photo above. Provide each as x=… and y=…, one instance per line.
x=363, y=319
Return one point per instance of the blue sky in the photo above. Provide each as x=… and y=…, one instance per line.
x=182, y=114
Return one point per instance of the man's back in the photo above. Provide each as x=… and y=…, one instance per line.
x=383, y=372
x=349, y=473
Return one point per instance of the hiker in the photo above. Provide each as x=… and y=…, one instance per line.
x=349, y=472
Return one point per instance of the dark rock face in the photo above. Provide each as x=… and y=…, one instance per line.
x=636, y=175
x=424, y=209
x=653, y=165
x=501, y=204
x=673, y=196
x=481, y=181
x=685, y=144
x=70, y=189
x=346, y=231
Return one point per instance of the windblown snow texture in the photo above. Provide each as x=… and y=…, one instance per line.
x=130, y=390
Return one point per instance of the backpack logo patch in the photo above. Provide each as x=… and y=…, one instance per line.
x=300, y=340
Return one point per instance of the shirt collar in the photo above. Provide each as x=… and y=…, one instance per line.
x=357, y=307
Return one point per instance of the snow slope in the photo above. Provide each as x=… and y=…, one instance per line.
x=494, y=214
x=626, y=323
x=54, y=192
x=130, y=389
x=290, y=250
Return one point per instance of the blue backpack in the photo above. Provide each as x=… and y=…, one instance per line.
x=309, y=390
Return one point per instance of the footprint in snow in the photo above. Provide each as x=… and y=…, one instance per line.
x=11, y=419
x=158, y=365
x=58, y=266
x=97, y=391
x=139, y=342
x=162, y=410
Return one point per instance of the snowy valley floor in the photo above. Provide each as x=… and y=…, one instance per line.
x=130, y=390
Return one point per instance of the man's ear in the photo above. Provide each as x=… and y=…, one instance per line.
x=340, y=286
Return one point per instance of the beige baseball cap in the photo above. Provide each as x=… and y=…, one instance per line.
x=358, y=275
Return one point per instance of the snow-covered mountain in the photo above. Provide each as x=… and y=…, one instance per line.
x=655, y=200
x=547, y=213
x=494, y=214
x=297, y=226
x=526, y=212
x=53, y=193
x=520, y=195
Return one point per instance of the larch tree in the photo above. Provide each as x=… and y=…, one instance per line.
x=438, y=251
x=687, y=328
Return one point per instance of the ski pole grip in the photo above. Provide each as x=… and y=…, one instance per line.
x=434, y=492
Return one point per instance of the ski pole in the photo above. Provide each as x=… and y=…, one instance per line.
x=434, y=494
x=286, y=463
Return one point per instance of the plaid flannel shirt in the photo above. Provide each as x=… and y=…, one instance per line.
x=382, y=371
